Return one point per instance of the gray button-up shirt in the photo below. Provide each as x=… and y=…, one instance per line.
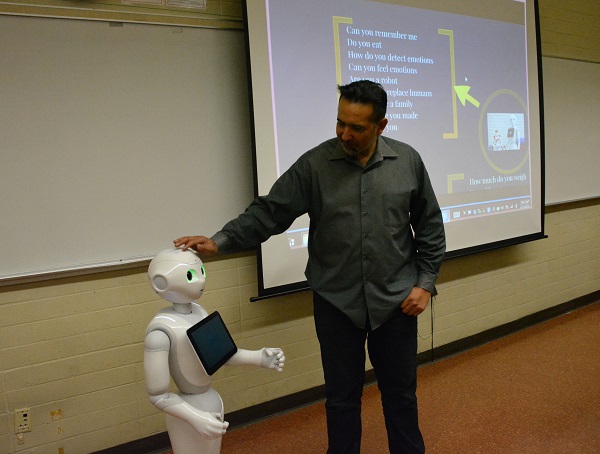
x=362, y=254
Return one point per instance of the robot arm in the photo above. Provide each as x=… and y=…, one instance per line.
x=269, y=358
x=157, y=377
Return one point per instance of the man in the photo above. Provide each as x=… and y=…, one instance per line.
x=370, y=275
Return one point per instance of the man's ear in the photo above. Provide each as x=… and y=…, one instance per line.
x=381, y=126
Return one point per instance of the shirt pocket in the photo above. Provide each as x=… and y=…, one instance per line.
x=396, y=208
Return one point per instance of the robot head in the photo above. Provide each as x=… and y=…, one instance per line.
x=177, y=276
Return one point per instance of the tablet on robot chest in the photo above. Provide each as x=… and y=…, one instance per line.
x=212, y=342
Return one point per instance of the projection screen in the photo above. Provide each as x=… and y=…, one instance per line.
x=463, y=88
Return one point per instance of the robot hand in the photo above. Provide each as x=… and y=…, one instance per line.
x=209, y=425
x=272, y=358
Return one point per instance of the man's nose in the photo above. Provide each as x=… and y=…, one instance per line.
x=346, y=135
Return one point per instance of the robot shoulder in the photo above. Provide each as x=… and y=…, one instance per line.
x=157, y=340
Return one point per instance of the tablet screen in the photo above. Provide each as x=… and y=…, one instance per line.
x=212, y=342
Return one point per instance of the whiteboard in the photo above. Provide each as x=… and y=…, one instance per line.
x=572, y=129
x=116, y=139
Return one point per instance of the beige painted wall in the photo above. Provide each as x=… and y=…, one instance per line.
x=71, y=349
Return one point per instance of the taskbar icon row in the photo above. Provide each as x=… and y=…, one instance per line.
x=484, y=209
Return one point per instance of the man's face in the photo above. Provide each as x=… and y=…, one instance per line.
x=356, y=131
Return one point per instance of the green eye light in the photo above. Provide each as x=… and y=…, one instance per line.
x=192, y=276
x=203, y=271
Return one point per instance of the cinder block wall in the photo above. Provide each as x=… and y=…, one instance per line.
x=71, y=349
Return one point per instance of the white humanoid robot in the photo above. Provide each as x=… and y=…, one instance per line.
x=195, y=414
x=513, y=135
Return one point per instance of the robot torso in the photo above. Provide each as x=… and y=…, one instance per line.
x=184, y=365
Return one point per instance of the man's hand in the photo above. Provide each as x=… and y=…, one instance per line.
x=416, y=301
x=201, y=244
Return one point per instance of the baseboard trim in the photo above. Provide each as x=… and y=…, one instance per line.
x=498, y=332
x=160, y=442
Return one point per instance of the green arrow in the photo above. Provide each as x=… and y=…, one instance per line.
x=463, y=94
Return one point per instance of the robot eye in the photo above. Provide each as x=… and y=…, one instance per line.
x=203, y=271
x=192, y=276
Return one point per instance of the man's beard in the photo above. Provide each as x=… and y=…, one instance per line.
x=352, y=152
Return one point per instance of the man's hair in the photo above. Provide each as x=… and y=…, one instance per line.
x=366, y=92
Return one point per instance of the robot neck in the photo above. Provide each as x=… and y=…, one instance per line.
x=185, y=308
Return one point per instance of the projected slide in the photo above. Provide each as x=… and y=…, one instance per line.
x=434, y=108
x=462, y=90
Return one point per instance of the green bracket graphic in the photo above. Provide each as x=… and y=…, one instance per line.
x=450, y=34
x=452, y=178
x=462, y=91
x=336, y=42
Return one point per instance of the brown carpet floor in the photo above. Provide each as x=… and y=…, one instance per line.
x=533, y=392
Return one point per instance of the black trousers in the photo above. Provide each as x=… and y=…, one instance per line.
x=392, y=349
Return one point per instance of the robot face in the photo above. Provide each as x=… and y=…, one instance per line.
x=177, y=276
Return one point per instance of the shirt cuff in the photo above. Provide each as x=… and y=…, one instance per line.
x=427, y=282
x=222, y=241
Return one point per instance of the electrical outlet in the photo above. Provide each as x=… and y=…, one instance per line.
x=22, y=420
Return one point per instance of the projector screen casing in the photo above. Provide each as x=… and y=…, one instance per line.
x=463, y=85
